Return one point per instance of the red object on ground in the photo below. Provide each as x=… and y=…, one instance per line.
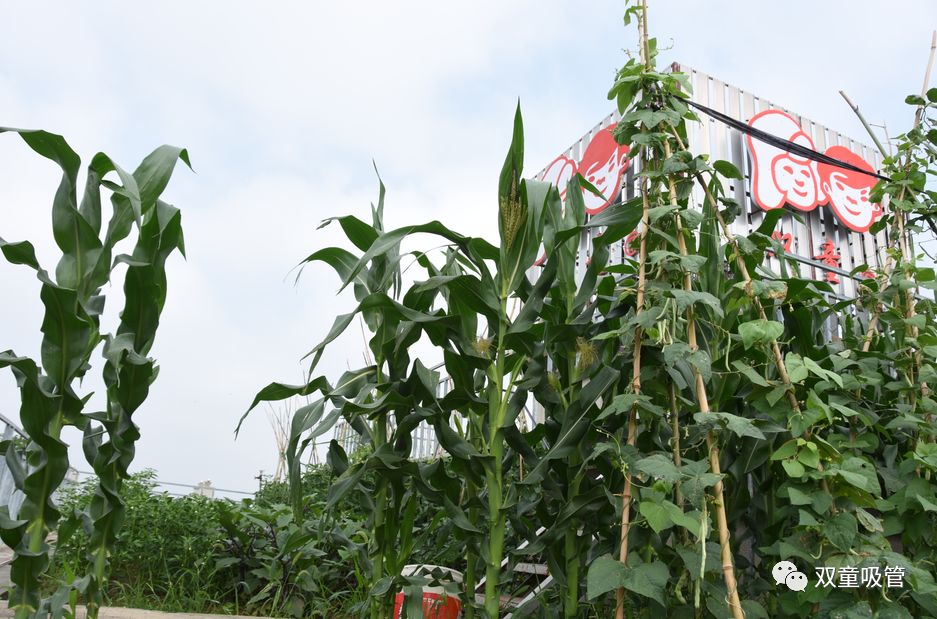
x=435, y=606
x=436, y=603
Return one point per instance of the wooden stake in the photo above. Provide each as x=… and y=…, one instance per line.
x=675, y=444
x=899, y=215
x=638, y=334
x=702, y=398
x=756, y=302
x=636, y=388
x=904, y=240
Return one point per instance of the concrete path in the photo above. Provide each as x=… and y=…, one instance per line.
x=6, y=556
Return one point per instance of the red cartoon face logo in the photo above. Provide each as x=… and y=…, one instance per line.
x=780, y=178
x=559, y=172
x=603, y=164
x=848, y=191
x=794, y=178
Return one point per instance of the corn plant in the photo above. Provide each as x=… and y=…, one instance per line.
x=73, y=302
x=384, y=401
x=699, y=422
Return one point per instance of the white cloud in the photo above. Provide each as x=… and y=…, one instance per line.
x=282, y=111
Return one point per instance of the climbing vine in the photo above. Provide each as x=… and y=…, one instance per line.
x=699, y=423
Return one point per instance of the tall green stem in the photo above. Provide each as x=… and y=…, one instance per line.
x=380, y=505
x=37, y=527
x=379, y=606
x=571, y=550
x=497, y=399
x=471, y=558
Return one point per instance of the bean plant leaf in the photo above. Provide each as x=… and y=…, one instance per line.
x=659, y=466
x=605, y=574
x=646, y=579
x=842, y=530
x=760, y=332
x=738, y=425
x=656, y=515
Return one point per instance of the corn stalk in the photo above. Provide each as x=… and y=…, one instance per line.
x=128, y=371
x=73, y=303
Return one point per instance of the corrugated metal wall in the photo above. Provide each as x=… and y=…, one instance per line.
x=721, y=142
x=819, y=225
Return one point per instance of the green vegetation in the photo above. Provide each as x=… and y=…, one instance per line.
x=73, y=302
x=701, y=423
x=164, y=554
x=193, y=554
x=704, y=417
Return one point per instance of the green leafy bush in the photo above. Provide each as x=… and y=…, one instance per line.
x=279, y=566
x=194, y=554
x=341, y=551
x=315, y=481
x=164, y=557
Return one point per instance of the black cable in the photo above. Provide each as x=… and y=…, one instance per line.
x=783, y=144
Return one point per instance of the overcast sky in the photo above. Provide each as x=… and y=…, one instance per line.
x=283, y=106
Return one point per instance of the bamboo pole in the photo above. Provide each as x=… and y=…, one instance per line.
x=756, y=302
x=930, y=65
x=904, y=235
x=899, y=215
x=868, y=128
x=702, y=398
x=749, y=283
x=675, y=444
x=636, y=388
x=638, y=334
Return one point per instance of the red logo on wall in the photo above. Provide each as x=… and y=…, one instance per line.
x=603, y=164
x=630, y=249
x=780, y=177
x=829, y=257
x=786, y=239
